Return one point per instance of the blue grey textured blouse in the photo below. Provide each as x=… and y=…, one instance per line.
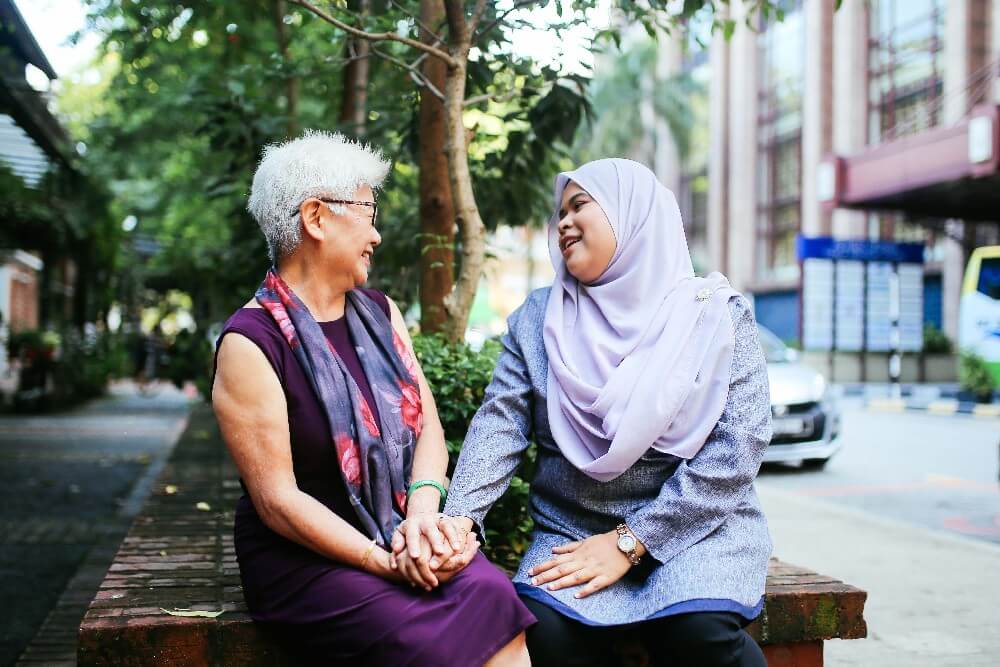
x=699, y=519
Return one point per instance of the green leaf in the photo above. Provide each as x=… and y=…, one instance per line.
x=192, y=614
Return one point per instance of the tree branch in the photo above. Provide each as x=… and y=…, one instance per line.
x=426, y=28
x=375, y=36
x=506, y=97
x=477, y=15
x=415, y=74
x=517, y=5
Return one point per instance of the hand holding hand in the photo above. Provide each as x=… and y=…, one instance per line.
x=426, y=569
x=443, y=537
x=459, y=561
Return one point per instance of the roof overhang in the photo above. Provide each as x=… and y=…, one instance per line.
x=27, y=107
x=945, y=172
x=18, y=36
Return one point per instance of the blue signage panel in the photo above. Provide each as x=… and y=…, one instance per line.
x=825, y=247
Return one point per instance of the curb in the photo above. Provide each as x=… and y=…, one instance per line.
x=944, y=407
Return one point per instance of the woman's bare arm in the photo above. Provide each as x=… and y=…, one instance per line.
x=250, y=405
x=430, y=461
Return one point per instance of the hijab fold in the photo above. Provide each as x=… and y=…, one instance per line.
x=375, y=455
x=641, y=357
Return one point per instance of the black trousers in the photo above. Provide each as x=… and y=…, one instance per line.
x=702, y=639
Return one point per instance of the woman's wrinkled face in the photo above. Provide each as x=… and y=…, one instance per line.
x=351, y=237
x=586, y=238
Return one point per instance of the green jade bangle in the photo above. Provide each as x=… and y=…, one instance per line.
x=429, y=482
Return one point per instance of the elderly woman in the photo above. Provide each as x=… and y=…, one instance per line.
x=335, y=434
x=646, y=392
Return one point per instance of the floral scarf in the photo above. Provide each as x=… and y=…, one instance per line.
x=375, y=459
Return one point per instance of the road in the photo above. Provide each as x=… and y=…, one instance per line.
x=909, y=510
x=936, y=471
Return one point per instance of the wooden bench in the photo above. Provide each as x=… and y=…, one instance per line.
x=177, y=556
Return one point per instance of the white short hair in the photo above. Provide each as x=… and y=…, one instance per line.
x=317, y=164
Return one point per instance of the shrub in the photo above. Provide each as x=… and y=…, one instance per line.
x=935, y=341
x=61, y=369
x=975, y=376
x=189, y=357
x=458, y=376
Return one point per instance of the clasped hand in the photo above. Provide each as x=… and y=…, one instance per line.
x=429, y=549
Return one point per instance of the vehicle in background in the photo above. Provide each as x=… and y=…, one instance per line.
x=805, y=415
x=979, y=308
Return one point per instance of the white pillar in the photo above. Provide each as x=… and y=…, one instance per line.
x=666, y=158
x=850, y=100
x=742, y=217
x=956, y=60
x=718, y=156
x=817, y=139
x=994, y=48
x=958, y=65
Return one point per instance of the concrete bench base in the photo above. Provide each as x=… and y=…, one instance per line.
x=177, y=556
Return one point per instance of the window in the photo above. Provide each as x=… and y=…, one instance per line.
x=905, y=67
x=781, y=49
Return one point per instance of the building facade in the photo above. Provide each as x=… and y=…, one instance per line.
x=825, y=92
x=32, y=145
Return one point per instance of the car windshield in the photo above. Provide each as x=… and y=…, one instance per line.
x=774, y=349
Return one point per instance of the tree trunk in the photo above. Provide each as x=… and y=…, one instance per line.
x=459, y=303
x=354, y=106
x=291, y=81
x=437, y=217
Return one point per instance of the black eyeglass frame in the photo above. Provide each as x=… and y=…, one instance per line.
x=373, y=204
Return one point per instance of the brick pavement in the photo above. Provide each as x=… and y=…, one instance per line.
x=70, y=484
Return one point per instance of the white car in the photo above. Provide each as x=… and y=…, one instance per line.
x=805, y=415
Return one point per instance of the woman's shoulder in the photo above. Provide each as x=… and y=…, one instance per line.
x=256, y=324
x=740, y=308
x=532, y=309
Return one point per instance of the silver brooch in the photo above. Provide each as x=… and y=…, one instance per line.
x=704, y=294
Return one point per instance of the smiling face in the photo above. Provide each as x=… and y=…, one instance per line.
x=586, y=238
x=346, y=241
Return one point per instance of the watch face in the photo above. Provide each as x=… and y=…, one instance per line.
x=626, y=543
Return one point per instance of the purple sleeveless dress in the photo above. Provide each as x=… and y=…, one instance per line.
x=331, y=612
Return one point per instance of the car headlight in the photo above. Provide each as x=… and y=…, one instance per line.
x=820, y=388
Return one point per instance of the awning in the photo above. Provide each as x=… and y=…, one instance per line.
x=944, y=172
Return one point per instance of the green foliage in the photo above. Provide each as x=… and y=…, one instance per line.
x=61, y=369
x=619, y=94
x=458, y=376
x=189, y=358
x=976, y=377
x=85, y=365
x=935, y=340
x=196, y=90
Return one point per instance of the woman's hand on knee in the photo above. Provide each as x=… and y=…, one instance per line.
x=594, y=563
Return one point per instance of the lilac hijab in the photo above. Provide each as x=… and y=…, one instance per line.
x=639, y=359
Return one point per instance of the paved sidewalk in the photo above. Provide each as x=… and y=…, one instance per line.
x=932, y=597
x=70, y=484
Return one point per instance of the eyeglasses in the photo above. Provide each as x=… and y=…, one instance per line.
x=373, y=204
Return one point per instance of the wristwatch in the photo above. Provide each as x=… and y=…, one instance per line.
x=626, y=543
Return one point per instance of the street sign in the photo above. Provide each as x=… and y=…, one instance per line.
x=861, y=295
x=817, y=304
x=850, y=302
